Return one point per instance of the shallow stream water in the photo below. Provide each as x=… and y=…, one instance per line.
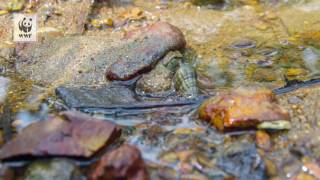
x=242, y=43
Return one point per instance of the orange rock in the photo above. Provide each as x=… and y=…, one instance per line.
x=242, y=108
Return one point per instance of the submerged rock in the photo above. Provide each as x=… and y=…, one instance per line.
x=243, y=44
x=244, y=108
x=83, y=60
x=124, y=162
x=62, y=169
x=117, y=99
x=146, y=50
x=68, y=60
x=71, y=134
x=210, y=3
x=95, y=96
x=69, y=16
x=25, y=117
x=265, y=75
x=311, y=57
x=242, y=161
x=157, y=81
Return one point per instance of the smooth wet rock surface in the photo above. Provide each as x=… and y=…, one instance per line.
x=87, y=62
x=67, y=60
x=146, y=50
x=242, y=108
x=96, y=96
x=77, y=135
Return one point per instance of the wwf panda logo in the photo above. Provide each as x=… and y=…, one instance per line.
x=25, y=25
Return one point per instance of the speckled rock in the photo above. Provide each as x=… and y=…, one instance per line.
x=95, y=96
x=68, y=60
x=83, y=60
x=69, y=16
x=157, y=81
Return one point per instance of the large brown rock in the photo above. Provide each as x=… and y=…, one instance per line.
x=124, y=162
x=76, y=60
x=150, y=45
x=242, y=108
x=83, y=60
x=71, y=134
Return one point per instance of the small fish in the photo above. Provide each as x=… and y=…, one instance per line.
x=185, y=80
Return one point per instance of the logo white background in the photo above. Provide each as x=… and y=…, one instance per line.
x=25, y=27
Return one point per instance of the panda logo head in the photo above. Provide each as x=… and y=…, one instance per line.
x=25, y=24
